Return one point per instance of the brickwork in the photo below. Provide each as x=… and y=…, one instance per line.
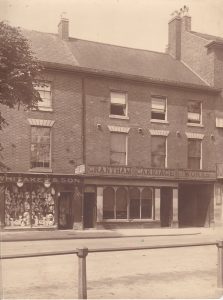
x=66, y=131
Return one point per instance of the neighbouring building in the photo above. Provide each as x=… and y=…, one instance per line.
x=123, y=138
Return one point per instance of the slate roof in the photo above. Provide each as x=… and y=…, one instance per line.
x=110, y=58
x=209, y=37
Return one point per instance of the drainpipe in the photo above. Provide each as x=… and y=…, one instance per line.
x=83, y=145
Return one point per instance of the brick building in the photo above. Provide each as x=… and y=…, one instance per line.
x=124, y=137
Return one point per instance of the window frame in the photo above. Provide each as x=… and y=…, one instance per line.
x=124, y=116
x=200, y=124
x=40, y=107
x=201, y=154
x=166, y=152
x=42, y=169
x=164, y=98
x=126, y=148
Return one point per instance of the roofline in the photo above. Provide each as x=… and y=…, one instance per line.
x=90, y=71
x=214, y=44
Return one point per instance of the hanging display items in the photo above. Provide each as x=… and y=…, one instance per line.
x=29, y=208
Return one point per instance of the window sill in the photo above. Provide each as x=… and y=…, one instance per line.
x=126, y=220
x=48, y=109
x=195, y=125
x=118, y=117
x=159, y=121
x=41, y=170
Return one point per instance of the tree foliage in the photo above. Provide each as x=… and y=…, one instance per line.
x=18, y=71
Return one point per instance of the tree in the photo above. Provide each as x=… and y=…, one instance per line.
x=19, y=70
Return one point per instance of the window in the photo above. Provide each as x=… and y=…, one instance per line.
x=118, y=155
x=158, y=151
x=158, y=109
x=114, y=203
x=44, y=89
x=40, y=147
x=194, y=154
x=108, y=203
x=118, y=104
x=194, y=112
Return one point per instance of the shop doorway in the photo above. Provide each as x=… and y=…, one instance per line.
x=89, y=210
x=166, y=206
x=65, y=211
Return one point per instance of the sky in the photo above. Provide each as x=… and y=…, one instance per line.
x=139, y=24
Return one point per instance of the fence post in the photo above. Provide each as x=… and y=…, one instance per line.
x=82, y=274
x=220, y=264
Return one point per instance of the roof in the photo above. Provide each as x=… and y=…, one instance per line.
x=209, y=37
x=101, y=57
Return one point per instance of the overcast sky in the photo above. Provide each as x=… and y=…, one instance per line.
x=133, y=23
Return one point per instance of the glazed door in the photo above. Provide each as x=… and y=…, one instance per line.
x=89, y=210
x=65, y=211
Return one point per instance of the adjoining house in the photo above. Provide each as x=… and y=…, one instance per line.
x=123, y=138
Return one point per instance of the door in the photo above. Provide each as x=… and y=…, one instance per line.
x=89, y=210
x=166, y=207
x=65, y=211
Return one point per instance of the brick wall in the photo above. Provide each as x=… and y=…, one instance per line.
x=66, y=132
x=139, y=110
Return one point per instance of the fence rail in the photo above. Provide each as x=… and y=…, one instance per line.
x=83, y=252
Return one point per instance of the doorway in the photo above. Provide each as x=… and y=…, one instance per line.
x=89, y=210
x=166, y=207
x=65, y=211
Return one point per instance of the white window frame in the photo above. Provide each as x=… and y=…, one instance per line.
x=126, y=146
x=201, y=158
x=164, y=99
x=163, y=133
x=125, y=116
x=201, y=115
x=40, y=106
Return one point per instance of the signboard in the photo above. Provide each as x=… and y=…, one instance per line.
x=32, y=178
x=170, y=174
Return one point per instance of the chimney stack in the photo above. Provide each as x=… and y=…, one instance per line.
x=186, y=23
x=174, y=37
x=63, y=28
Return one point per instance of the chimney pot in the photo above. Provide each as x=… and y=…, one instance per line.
x=63, y=28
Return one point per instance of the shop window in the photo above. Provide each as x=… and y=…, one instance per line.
x=134, y=205
x=118, y=155
x=44, y=89
x=108, y=203
x=158, y=109
x=158, y=152
x=194, y=112
x=121, y=203
x=146, y=203
x=25, y=207
x=40, y=147
x=194, y=154
x=118, y=104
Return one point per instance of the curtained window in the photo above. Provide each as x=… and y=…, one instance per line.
x=118, y=149
x=158, y=151
x=118, y=104
x=194, y=154
x=158, y=110
x=194, y=112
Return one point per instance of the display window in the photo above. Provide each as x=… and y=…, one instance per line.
x=29, y=207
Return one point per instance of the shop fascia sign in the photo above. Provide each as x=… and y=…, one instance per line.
x=37, y=179
x=150, y=173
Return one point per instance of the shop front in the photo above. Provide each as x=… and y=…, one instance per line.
x=127, y=197
x=35, y=201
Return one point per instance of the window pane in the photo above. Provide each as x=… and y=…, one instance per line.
x=119, y=98
x=194, y=163
x=134, y=208
x=44, y=90
x=194, y=148
x=194, y=112
x=118, y=104
x=117, y=110
x=158, y=109
x=108, y=203
x=146, y=203
x=158, y=155
x=121, y=203
x=118, y=149
x=40, y=147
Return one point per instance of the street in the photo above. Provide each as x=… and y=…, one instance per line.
x=161, y=273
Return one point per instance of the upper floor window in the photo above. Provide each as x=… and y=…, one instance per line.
x=40, y=147
x=194, y=154
x=118, y=104
x=194, y=112
x=158, y=109
x=44, y=89
x=158, y=151
x=118, y=150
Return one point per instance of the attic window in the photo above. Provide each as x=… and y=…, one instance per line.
x=118, y=104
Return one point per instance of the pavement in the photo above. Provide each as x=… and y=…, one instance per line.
x=31, y=235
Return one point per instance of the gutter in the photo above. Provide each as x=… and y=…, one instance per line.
x=144, y=79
